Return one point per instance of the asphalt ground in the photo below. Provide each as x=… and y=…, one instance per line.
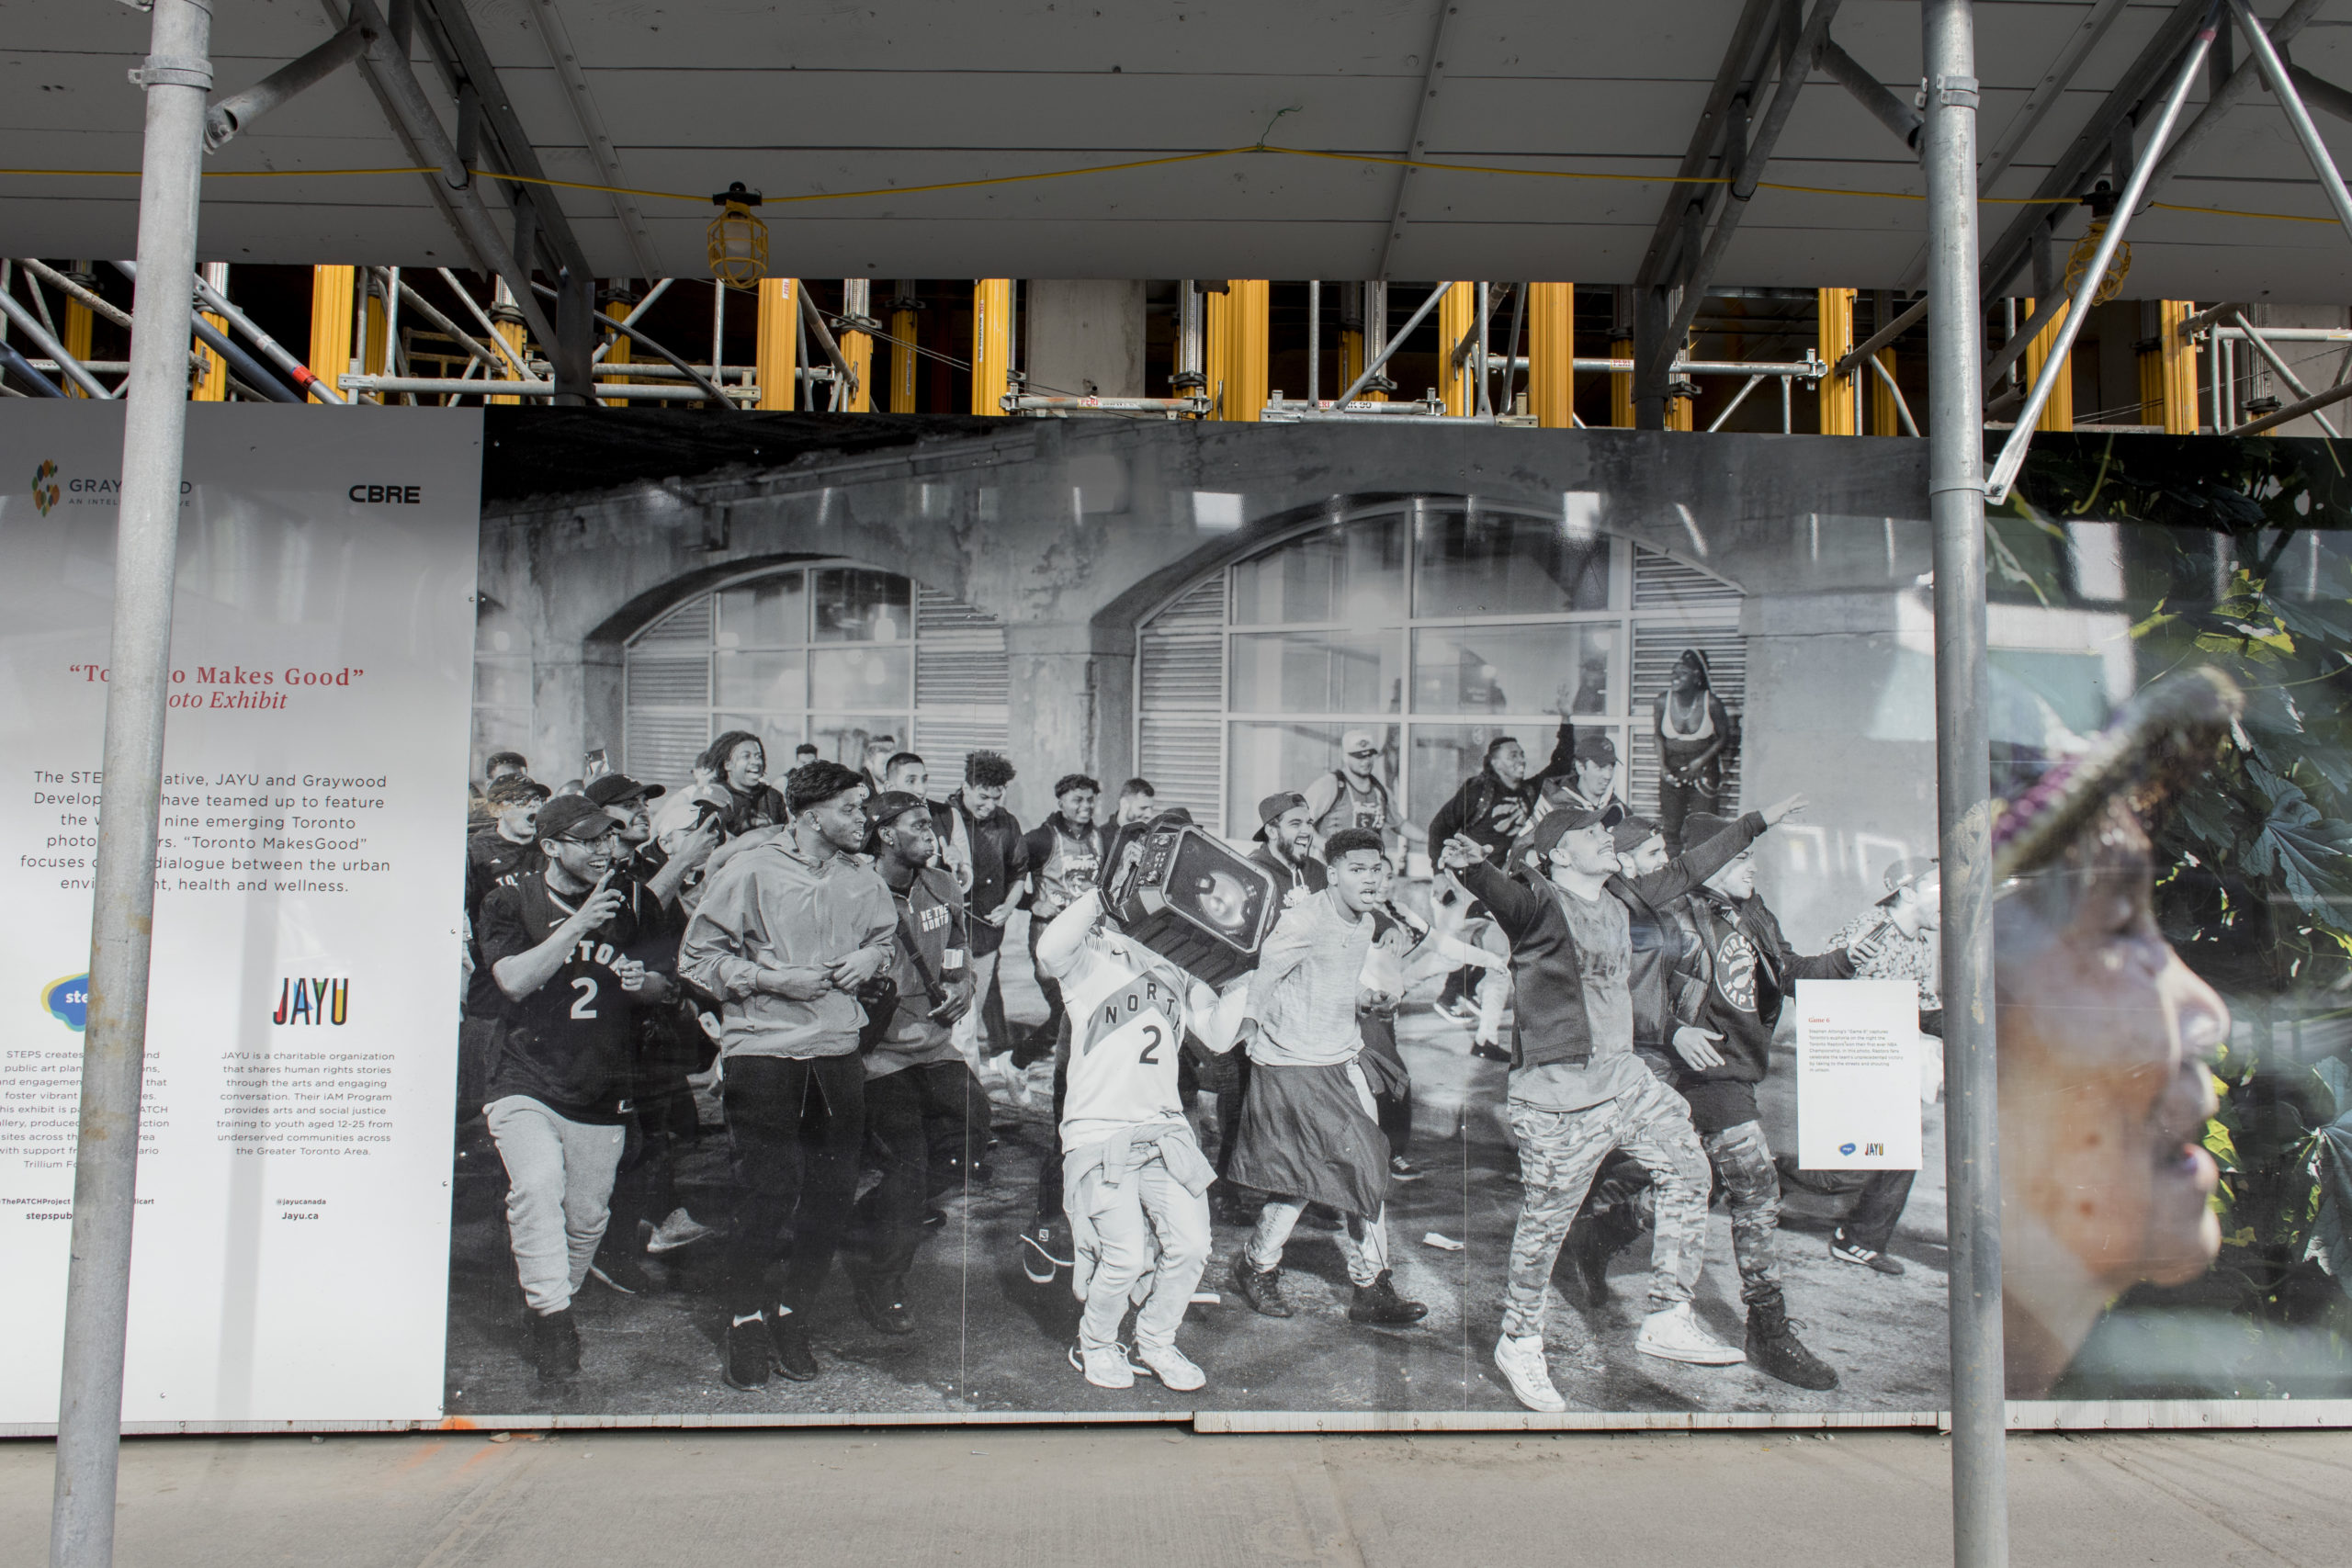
x=993, y=1344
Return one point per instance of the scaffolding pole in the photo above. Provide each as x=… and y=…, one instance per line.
x=175, y=76
x=1980, y=1512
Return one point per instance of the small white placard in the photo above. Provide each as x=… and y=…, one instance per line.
x=1858, y=1075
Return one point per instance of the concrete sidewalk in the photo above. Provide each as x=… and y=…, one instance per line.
x=1163, y=1497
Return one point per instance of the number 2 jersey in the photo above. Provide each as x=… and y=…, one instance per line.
x=572, y=1044
x=1126, y=1020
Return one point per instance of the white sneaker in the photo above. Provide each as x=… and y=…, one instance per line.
x=681, y=1229
x=1106, y=1368
x=1675, y=1336
x=1174, y=1370
x=1522, y=1361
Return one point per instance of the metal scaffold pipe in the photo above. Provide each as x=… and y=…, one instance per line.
x=1980, y=1511
x=177, y=75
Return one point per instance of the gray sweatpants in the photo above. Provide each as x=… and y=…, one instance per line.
x=559, y=1188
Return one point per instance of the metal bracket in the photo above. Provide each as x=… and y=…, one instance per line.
x=1957, y=92
x=172, y=71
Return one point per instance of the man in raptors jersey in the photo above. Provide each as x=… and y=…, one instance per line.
x=1135, y=1183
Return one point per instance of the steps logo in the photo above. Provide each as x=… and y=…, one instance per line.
x=45, y=491
x=313, y=1001
x=68, y=1001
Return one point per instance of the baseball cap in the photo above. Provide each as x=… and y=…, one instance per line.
x=1631, y=831
x=566, y=816
x=1595, y=746
x=1906, y=871
x=1273, y=805
x=617, y=789
x=514, y=790
x=890, y=805
x=1359, y=743
x=1545, y=835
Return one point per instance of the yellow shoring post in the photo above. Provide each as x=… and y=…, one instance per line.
x=211, y=383
x=617, y=305
x=2058, y=413
x=1551, y=353
x=1621, y=386
x=1836, y=340
x=857, y=347
x=992, y=344
x=2168, y=372
x=775, y=355
x=1457, y=318
x=509, y=322
x=902, y=348
x=330, y=290
x=78, y=325
x=1233, y=335
x=1884, y=420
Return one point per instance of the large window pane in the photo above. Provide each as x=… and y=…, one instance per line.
x=1469, y=562
x=844, y=738
x=1514, y=669
x=763, y=613
x=760, y=680
x=1352, y=574
x=861, y=677
x=856, y=606
x=1315, y=671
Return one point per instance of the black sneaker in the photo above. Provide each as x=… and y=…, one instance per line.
x=1261, y=1288
x=1379, y=1302
x=1844, y=1251
x=884, y=1308
x=1402, y=1169
x=789, y=1340
x=1773, y=1346
x=555, y=1345
x=1491, y=1051
x=619, y=1270
x=1045, y=1247
x=749, y=1354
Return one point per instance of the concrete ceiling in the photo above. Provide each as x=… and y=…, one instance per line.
x=831, y=95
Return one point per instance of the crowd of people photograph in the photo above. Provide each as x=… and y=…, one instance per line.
x=796, y=975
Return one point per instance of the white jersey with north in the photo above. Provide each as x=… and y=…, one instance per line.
x=1126, y=1020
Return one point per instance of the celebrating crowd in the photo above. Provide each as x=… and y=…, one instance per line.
x=822, y=952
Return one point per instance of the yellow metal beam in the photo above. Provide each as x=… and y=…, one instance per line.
x=992, y=344
x=1234, y=329
x=1621, y=386
x=857, y=347
x=2058, y=413
x=1836, y=340
x=617, y=305
x=331, y=291
x=211, y=384
x=508, y=319
x=776, y=348
x=2168, y=372
x=1551, y=353
x=902, y=348
x=1884, y=420
x=1457, y=318
x=78, y=327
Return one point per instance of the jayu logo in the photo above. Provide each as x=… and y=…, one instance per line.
x=68, y=1001
x=313, y=1001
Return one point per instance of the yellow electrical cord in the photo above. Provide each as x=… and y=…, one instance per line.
x=1165, y=162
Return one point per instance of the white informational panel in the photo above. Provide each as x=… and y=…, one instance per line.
x=1858, y=1075
x=290, y=1261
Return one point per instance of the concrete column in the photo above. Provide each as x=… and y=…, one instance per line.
x=558, y=715
x=1085, y=337
x=1070, y=709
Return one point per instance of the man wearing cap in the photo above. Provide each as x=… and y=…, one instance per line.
x=1285, y=838
x=1893, y=939
x=508, y=842
x=1592, y=786
x=786, y=934
x=554, y=944
x=1353, y=794
x=914, y=1072
x=1578, y=1091
x=1739, y=971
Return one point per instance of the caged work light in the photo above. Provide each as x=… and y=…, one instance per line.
x=739, y=241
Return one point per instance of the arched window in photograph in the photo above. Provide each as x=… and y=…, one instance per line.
x=1436, y=624
x=835, y=654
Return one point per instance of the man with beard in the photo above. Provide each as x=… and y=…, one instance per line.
x=1353, y=794
x=1310, y=1132
x=1285, y=838
x=1578, y=1091
x=554, y=941
x=1739, y=971
x=913, y=1074
x=785, y=935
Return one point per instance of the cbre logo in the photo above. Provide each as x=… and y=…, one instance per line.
x=68, y=1001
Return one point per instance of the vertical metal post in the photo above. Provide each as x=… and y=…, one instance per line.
x=1314, y=341
x=1980, y=1514
x=1189, y=379
x=1376, y=387
x=177, y=76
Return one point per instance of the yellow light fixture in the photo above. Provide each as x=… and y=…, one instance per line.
x=739, y=241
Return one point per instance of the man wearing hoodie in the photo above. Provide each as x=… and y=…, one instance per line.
x=1578, y=1091
x=1728, y=990
x=785, y=935
x=1493, y=806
